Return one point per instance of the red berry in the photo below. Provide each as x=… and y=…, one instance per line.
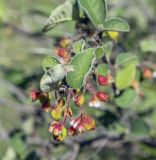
x=102, y=96
x=58, y=131
x=35, y=95
x=62, y=52
x=147, y=73
x=103, y=81
x=79, y=100
x=46, y=106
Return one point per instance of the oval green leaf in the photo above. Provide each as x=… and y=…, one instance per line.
x=96, y=10
x=78, y=46
x=139, y=128
x=116, y=24
x=108, y=46
x=49, y=62
x=148, y=45
x=126, y=98
x=125, y=76
x=102, y=69
x=82, y=63
x=124, y=59
x=17, y=143
x=99, y=52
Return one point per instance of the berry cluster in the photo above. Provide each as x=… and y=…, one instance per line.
x=61, y=111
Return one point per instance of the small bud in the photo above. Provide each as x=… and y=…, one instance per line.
x=147, y=73
x=88, y=122
x=110, y=78
x=103, y=81
x=94, y=102
x=65, y=56
x=46, y=106
x=72, y=131
x=79, y=100
x=35, y=95
x=65, y=42
x=75, y=122
x=81, y=124
x=56, y=113
x=81, y=128
x=135, y=84
x=44, y=97
x=102, y=96
x=78, y=90
x=61, y=102
x=63, y=53
x=113, y=35
x=58, y=131
x=52, y=126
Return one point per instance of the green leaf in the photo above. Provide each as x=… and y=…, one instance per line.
x=149, y=102
x=28, y=125
x=148, y=45
x=126, y=98
x=99, y=52
x=3, y=147
x=139, y=128
x=116, y=24
x=138, y=75
x=46, y=83
x=10, y=154
x=72, y=1
x=60, y=14
x=82, y=64
x=49, y=62
x=102, y=69
x=149, y=149
x=119, y=128
x=96, y=10
x=108, y=46
x=17, y=143
x=52, y=76
x=125, y=59
x=78, y=46
x=125, y=76
x=116, y=128
x=2, y=10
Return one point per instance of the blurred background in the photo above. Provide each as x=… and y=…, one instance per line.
x=23, y=127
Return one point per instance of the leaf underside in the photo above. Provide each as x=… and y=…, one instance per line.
x=60, y=14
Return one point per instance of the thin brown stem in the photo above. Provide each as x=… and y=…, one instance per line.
x=68, y=105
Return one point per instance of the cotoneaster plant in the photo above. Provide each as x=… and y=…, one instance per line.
x=83, y=64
